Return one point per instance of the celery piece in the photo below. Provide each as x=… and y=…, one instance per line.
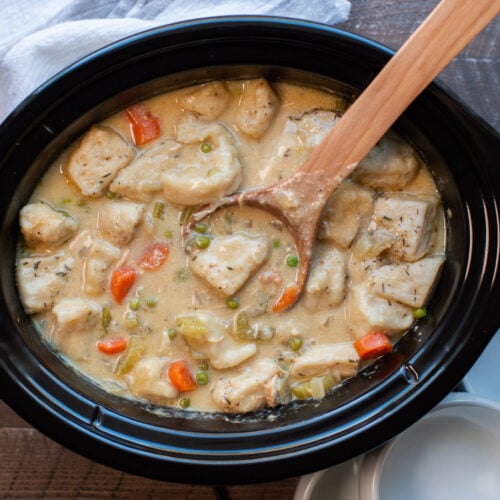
x=201, y=326
x=192, y=327
x=159, y=210
x=302, y=390
x=131, y=356
x=185, y=215
x=243, y=330
x=315, y=387
x=105, y=318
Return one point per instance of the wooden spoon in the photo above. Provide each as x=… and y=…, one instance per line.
x=299, y=201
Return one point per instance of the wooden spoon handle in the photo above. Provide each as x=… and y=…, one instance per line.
x=447, y=30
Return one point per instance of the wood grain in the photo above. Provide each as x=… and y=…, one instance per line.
x=474, y=75
x=33, y=466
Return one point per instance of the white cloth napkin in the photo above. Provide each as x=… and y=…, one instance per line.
x=38, y=39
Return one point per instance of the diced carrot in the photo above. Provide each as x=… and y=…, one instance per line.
x=286, y=299
x=112, y=346
x=180, y=376
x=154, y=256
x=122, y=280
x=145, y=126
x=372, y=345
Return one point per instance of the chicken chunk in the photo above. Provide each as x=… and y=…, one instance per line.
x=228, y=353
x=77, y=315
x=326, y=284
x=229, y=261
x=42, y=279
x=142, y=177
x=101, y=154
x=408, y=283
x=276, y=390
x=390, y=165
x=300, y=135
x=341, y=358
x=371, y=244
x=118, y=220
x=42, y=225
x=311, y=128
x=347, y=212
x=205, y=168
x=257, y=108
x=411, y=219
x=100, y=257
x=246, y=391
x=208, y=101
x=372, y=312
x=148, y=380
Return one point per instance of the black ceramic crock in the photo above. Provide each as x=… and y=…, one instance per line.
x=300, y=437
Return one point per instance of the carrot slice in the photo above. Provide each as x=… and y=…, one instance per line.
x=112, y=346
x=154, y=256
x=180, y=376
x=287, y=298
x=145, y=126
x=373, y=345
x=122, y=280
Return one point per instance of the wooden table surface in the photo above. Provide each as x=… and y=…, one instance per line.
x=33, y=466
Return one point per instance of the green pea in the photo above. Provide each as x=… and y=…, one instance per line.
x=172, y=333
x=201, y=227
x=292, y=260
x=206, y=147
x=203, y=241
x=184, y=403
x=295, y=343
x=134, y=304
x=233, y=302
x=182, y=274
x=420, y=312
x=151, y=302
x=202, y=378
x=131, y=320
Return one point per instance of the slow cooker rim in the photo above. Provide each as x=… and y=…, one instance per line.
x=186, y=25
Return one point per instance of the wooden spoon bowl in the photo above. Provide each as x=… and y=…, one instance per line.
x=299, y=201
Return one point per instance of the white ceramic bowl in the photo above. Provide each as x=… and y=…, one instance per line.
x=336, y=483
x=451, y=453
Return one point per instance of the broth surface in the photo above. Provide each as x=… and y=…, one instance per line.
x=102, y=269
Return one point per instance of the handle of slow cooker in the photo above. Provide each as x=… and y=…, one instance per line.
x=488, y=142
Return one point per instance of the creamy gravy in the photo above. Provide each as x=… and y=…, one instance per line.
x=212, y=305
